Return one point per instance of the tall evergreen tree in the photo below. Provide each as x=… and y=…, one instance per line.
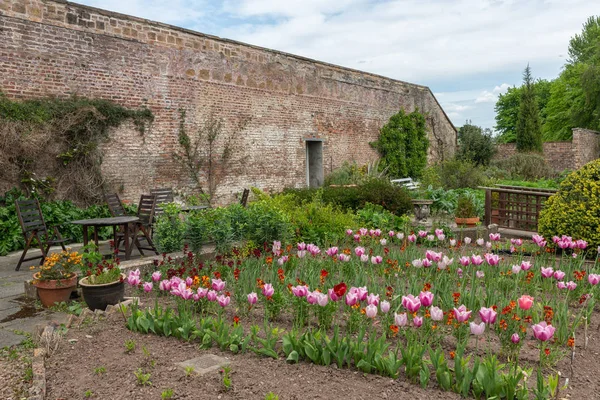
x=528, y=130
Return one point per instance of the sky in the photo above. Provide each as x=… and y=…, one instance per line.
x=466, y=51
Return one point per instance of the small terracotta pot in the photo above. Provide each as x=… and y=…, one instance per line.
x=54, y=291
x=468, y=222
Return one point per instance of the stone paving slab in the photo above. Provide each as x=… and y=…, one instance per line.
x=204, y=364
x=9, y=338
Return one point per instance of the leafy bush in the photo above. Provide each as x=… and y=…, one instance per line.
x=267, y=222
x=456, y=174
x=375, y=216
x=403, y=145
x=347, y=174
x=465, y=208
x=169, y=229
x=575, y=209
x=527, y=166
x=475, y=144
x=446, y=201
x=197, y=230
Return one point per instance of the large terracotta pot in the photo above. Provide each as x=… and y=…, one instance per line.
x=54, y=291
x=468, y=222
x=100, y=296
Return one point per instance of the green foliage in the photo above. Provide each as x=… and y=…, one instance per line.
x=403, y=145
x=166, y=394
x=197, y=230
x=446, y=201
x=347, y=174
x=142, y=378
x=527, y=166
x=375, y=216
x=528, y=129
x=266, y=223
x=475, y=144
x=457, y=174
x=575, y=209
x=169, y=229
x=465, y=208
x=508, y=104
x=129, y=346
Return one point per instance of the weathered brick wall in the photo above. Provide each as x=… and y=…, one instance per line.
x=586, y=146
x=56, y=48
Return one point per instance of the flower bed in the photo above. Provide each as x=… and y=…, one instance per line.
x=429, y=307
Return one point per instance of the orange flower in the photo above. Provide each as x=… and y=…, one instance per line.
x=236, y=320
x=427, y=287
x=269, y=260
x=394, y=329
x=452, y=355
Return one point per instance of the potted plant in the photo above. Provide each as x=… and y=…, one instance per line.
x=57, y=278
x=102, y=282
x=465, y=214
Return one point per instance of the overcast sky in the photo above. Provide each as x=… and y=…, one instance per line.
x=466, y=51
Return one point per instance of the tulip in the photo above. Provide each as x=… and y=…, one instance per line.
x=479, y=274
x=377, y=232
x=364, y=258
x=359, y=251
x=211, y=295
x=491, y=259
x=422, y=234
x=391, y=234
x=400, y=235
x=313, y=249
x=363, y=231
x=441, y=237
x=581, y=244
x=376, y=260
x=252, y=298
x=373, y=299
x=488, y=315
x=426, y=263
x=300, y=291
x=349, y=232
x=525, y=302
x=356, y=237
x=332, y=251
x=371, y=311
x=344, y=257
x=526, y=265
x=312, y=297
x=464, y=261
x=156, y=276
x=301, y=253
x=561, y=285
x=447, y=261
x=202, y=292
x=267, y=290
x=223, y=300
x=332, y=295
x=411, y=303
x=351, y=299
x=417, y=263
x=430, y=238
x=282, y=260
x=418, y=321
x=362, y=293
x=187, y=294
x=476, y=260
x=276, y=247
x=459, y=272
x=547, y=272
x=494, y=237
x=439, y=232
x=516, y=269
x=383, y=242
x=452, y=242
x=322, y=299
x=400, y=319
x=543, y=331
x=467, y=240
x=165, y=284
x=593, y=279
x=385, y=306
x=189, y=281
x=515, y=338
x=477, y=329
x=480, y=242
x=559, y=275
x=301, y=246
x=571, y=285
x=147, y=287
x=433, y=256
x=436, y=313
x=134, y=279
x=516, y=242
x=217, y=285
x=461, y=314
x=426, y=298
x=412, y=238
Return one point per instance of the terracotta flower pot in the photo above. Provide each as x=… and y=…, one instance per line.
x=100, y=296
x=54, y=291
x=468, y=222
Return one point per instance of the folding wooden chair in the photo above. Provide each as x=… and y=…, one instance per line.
x=244, y=199
x=164, y=195
x=143, y=228
x=34, y=227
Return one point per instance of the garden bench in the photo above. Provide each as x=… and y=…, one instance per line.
x=34, y=227
x=408, y=183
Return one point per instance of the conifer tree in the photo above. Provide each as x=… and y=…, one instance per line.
x=528, y=129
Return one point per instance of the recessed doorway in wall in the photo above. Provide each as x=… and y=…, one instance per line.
x=314, y=163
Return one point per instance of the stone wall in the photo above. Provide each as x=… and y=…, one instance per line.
x=584, y=147
x=57, y=48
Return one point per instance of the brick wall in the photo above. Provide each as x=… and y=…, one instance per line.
x=56, y=48
x=586, y=146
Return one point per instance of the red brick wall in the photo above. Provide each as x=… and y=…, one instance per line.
x=54, y=48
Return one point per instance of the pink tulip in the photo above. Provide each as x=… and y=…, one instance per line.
x=312, y=297
x=488, y=245
x=581, y=244
x=322, y=299
x=526, y=265
x=461, y=314
x=371, y=311
x=476, y=260
x=332, y=251
x=134, y=278
x=464, y=261
x=156, y=276
x=594, y=279
x=211, y=295
x=356, y=237
x=300, y=291
x=480, y=242
x=373, y=299
x=525, y=302
x=467, y=240
x=349, y=232
x=488, y=315
x=418, y=321
x=411, y=303
x=516, y=242
x=516, y=269
x=313, y=249
x=492, y=259
x=376, y=232
x=571, y=285
x=547, y=272
x=344, y=257
x=202, y=292
x=422, y=234
x=165, y=285
x=376, y=260
x=426, y=263
x=267, y=290
x=430, y=238
x=363, y=231
x=436, y=313
x=217, y=285
x=252, y=298
x=223, y=300
x=438, y=232
x=543, y=331
x=282, y=260
x=147, y=287
x=452, y=242
x=361, y=292
x=400, y=319
x=494, y=237
x=417, y=263
x=385, y=306
x=479, y=274
x=561, y=285
x=189, y=281
x=276, y=249
x=459, y=272
x=426, y=298
x=351, y=299
x=391, y=234
x=412, y=238
x=447, y=261
x=187, y=294
x=301, y=246
x=364, y=258
x=477, y=329
x=301, y=253
x=383, y=242
x=515, y=338
x=559, y=275
x=433, y=256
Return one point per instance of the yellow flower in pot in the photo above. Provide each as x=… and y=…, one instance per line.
x=57, y=277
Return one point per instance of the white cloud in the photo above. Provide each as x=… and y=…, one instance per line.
x=491, y=97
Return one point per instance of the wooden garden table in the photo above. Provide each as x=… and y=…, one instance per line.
x=112, y=221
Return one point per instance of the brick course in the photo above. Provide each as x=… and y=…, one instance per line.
x=56, y=48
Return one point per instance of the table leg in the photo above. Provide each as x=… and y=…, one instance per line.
x=85, y=235
x=115, y=249
x=96, y=237
x=126, y=240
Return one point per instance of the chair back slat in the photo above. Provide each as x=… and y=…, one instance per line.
x=244, y=200
x=146, y=209
x=30, y=216
x=114, y=205
x=164, y=195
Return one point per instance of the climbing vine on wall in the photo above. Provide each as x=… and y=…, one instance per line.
x=50, y=147
x=403, y=144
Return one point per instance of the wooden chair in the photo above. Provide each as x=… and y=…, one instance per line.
x=34, y=227
x=164, y=195
x=143, y=228
x=244, y=199
x=114, y=205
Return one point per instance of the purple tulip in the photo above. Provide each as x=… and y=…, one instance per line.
x=311, y=297
x=351, y=298
x=391, y=234
x=433, y=256
x=559, y=275
x=476, y=260
x=423, y=234
x=547, y=272
x=594, y=279
x=359, y=251
x=515, y=338
x=349, y=232
x=134, y=278
x=147, y=287
x=426, y=263
x=477, y=329
x=376, y=260
x=223, y=300
x=526, y=265
x=189, y=281
x=373, y=299
x=488, y=315
x=217, y=285
x=543, y=331
x=252, y=298
x=301, y=246
x=332, y=251
x=412, y=238
x=332, y=295
x=426, y=298
x=300, y=290
x=268, y=290
x=492, y=259
x=363, y=231
x=461, y=314
x=494, y=237
x=418, y=321
x=165, y=284
x=156, y=276
x=211, y=295
x=411, y=303
x=464, y=261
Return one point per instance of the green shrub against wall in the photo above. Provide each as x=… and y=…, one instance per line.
x=575, y=209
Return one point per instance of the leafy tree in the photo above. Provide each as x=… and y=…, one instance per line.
x=528, y=129
x=403, y=144
x=475, y=144
x=507, y=109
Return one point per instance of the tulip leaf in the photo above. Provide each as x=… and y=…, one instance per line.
x=293, y=356
x=364, y=366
